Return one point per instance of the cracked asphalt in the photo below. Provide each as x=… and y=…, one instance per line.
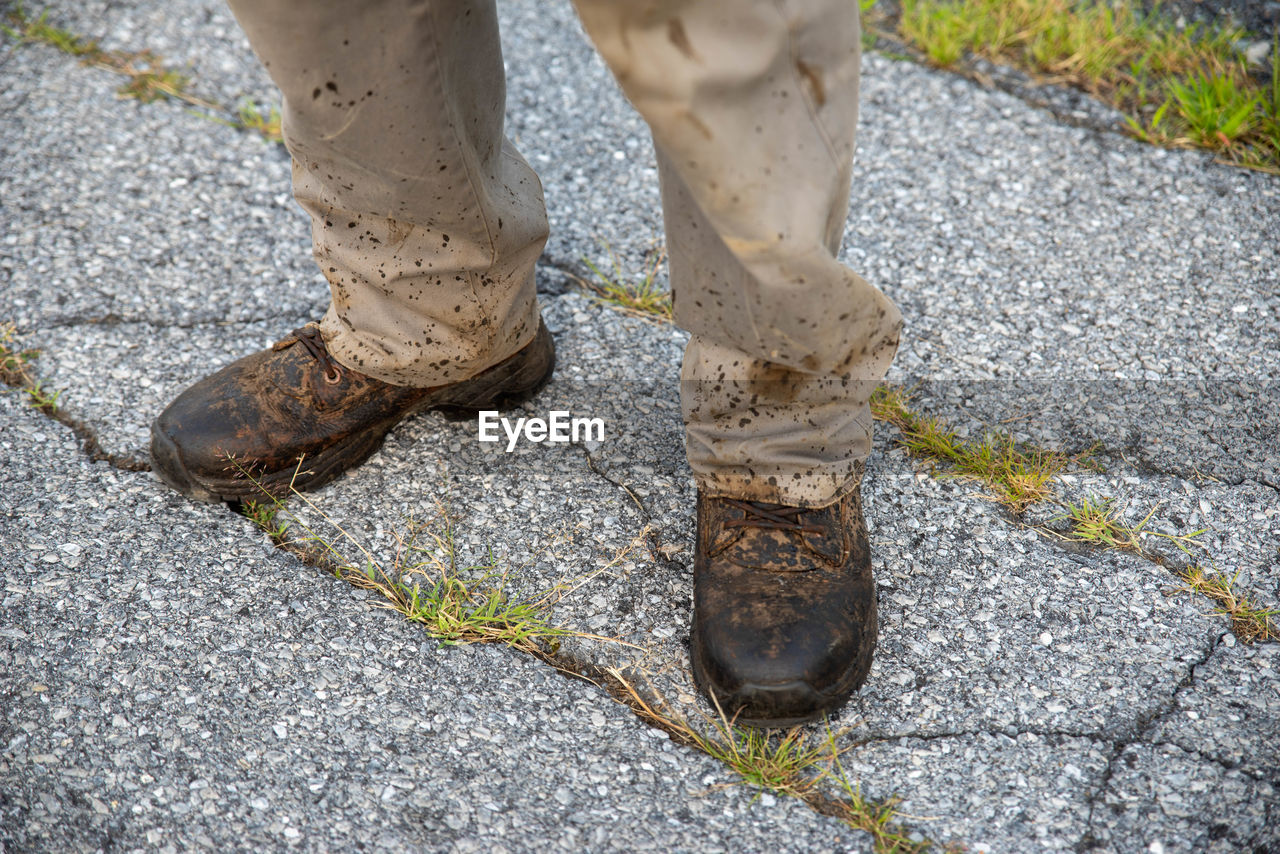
x=171, y=681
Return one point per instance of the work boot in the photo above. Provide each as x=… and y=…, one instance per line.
x=244, y=429
x=784, y=608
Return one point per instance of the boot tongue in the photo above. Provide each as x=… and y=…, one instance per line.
x=783, y=550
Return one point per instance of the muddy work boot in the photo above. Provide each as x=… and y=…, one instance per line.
x=256, y=418
x=784, y=608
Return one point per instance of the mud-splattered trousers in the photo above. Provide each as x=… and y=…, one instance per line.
x=427, y=222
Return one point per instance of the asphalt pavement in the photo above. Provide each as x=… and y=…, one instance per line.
x=170, y=680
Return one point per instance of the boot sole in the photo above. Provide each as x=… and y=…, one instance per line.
x=506, y=384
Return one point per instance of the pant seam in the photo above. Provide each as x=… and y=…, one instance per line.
x=804, y=92
x=453, y=129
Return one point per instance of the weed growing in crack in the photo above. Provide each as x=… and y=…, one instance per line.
x=1099, y=521
x=264, y=514
x=15, y=371
x=455, y=603
x=39, y=30
x=1019, y=477
x=44, y=399
x=263, y=121
x=425, y=580
x=641, y=297
x=13, y=360
x=788, y=764
x=148, y=78
x=877, y=819
x=266, y=122
x=1178, y=87
x=1249, y=621
x=792, y=763
x=780, y=762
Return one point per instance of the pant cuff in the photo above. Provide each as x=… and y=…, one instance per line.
x=811, y=489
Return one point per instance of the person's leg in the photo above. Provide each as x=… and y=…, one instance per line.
x=425, y=221
x=753, y=105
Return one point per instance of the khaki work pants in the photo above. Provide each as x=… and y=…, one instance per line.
x=427, y=222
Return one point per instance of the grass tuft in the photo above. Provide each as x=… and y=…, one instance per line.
x=780, y=762
x=44, y=399
x=1020, y=477
x=15, y=371
x=1249, y=621
x=266, y=122
x=149, y=79
x=265, y=515
x=13, y=359
x=39, y=30
x=1099, y=521
x=1217, y=111
x=791, y=763
x=1176, y=86
x=642, y=297
x=455, y=604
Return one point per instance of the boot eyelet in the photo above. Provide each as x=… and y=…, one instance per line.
x=333, y=376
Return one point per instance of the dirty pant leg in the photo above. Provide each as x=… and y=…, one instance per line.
x=752, y=105
x=425, y=219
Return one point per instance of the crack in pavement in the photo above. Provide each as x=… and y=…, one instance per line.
x=658, y=551
x=90, y=444
x=1174, y=564
x=1143, y=725
x=1224, y=764
x=591, y=464
x=111, y=319
x=609, y=682
x=1098, y=737
x=1134, y=455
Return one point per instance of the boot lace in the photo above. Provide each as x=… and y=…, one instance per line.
x=309, y=337
x=761, y=514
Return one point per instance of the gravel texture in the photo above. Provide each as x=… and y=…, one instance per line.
x=169, y=679
x=1257, y=17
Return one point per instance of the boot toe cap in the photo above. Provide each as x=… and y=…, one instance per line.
x=784, y=675
x=168, y=464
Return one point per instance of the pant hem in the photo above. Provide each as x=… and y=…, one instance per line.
x=812, y=491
